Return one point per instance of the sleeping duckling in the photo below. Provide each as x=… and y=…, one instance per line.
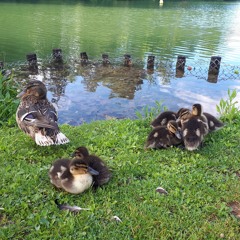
x=74, y=176
x=164, y=136
x=96, y=163
x=163, y=118
x=37, y=117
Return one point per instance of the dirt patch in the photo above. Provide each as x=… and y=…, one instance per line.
x=235, y=206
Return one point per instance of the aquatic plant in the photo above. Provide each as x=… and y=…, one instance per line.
x=8, y=101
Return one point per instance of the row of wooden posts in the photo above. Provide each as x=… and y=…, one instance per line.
x=213, y=70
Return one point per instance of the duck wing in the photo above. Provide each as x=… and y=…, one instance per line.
x=40, y=115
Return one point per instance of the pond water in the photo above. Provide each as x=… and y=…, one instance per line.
x=195, y=29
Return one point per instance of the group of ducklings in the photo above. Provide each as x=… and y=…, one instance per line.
x=185, y=127
x=37, y=117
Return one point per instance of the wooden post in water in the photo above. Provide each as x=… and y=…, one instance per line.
x=32, y=62
x=57, y=55
x=150, y=62
x=84, y=58
x=127, y=60
x=105, y=60
x=180, y=65
x=1, y=64
x=214, y=68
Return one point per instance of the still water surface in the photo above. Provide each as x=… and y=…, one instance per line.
x=196, y=29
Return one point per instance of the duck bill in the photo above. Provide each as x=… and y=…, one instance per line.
x=92, y=171
x=178, y=135
x=21, y=94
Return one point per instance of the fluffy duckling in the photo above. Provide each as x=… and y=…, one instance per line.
x=74, y=176
x=96, y=163
x=194, y=128
x=183, y=114
x=164, y=136
x=37, y=117
x=163, y=118
x=193, y=132
x=213, y=122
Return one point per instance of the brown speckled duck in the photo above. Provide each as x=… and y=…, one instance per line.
x=37, y=117
x=96, y=163
x=74, y=176
x=164, y=136
x=163, y=118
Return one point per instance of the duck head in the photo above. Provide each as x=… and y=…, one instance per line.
x=80, y=152
x=79, y=167
x=197, y=109
x=34, y=88
x=172, y=127
x=193, y=133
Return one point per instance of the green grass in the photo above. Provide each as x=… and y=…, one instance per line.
x=200, y=185
x=8, y=101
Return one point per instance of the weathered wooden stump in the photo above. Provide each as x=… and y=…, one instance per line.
x=180, y=66
x=150, y=62
x=84, y=58
x=32, y=62
x=1, y=64
x=127, y=60
x=32, y=59
x=214, y=68
x=105, y=60
x=57, y=55
x=214, y=65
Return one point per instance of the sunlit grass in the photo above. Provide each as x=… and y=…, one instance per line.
x=199, y=186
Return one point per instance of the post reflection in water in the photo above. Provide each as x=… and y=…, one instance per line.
x=97, y=91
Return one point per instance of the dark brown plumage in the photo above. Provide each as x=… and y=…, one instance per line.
x=96, y=163
x=164, y=136
x=163, y=118
x=37, y=117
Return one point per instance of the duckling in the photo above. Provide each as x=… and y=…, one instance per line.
x=197, y=111
x=193, y=132
x=74, y=176
x=163, y=118
x=183, y=114
x=213, y=122
x=164, y=136
x=96, y=163
x=194, y=128
x=37, y=117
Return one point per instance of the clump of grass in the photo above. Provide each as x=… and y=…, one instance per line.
x=8, y=101
x=228, y=109
x=149, y=113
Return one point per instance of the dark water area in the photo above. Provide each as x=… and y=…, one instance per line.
x=195, y=29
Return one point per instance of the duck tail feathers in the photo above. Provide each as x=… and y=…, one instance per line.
x=42, y=140
x=61, y=139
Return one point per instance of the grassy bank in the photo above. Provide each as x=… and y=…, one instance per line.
x=200, y=186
